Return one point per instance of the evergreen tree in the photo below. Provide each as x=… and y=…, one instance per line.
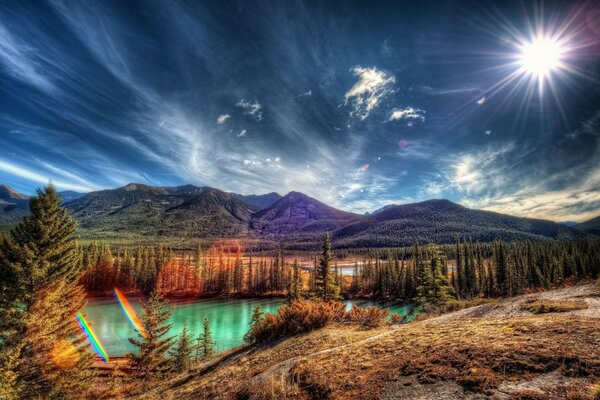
x=152, y=343
x=434, y=287
x=43, y=351
x=256, y=317
x=182, y=353
x=325, y=281
x=206, y=344
x=296, y=281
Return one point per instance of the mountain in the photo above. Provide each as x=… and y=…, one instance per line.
x=69, y=195
x=13, y=205
x=260, y=201
x=8, y=194
x=591, y=226
x=178, y=211
x=297, y=213
x=154, y=213
x=211, y=212
x=442, y=221
x=380, y=209
x=569, y=223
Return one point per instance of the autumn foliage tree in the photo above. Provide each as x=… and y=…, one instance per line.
x=42, y=350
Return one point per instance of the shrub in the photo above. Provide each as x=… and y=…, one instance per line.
x=370, y=317
x=397, y=318
x=596, y=391
x=552, y=306
x=298, y=317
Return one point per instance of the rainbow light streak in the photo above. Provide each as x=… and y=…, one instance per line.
x=92, y=336
x=130, y=312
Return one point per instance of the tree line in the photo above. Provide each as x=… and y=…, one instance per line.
x=497, y=269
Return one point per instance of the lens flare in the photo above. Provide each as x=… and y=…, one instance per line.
x=541, y=56
x=92, y=337
x=130, y=312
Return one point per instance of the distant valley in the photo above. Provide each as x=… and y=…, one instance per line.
x=151, y=213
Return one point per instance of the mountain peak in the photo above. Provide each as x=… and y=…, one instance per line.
x=135, y=186
x=297, y=212
x=6, y=193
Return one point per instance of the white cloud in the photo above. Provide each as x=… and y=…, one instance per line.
x=223, y=118
x=466, y=173
x=478, y=171
x=482, y=100
x=44, y=178
x=444, y=91
x=488, y=132
x=306, y=94
x=371, y=87
x=242, y=133
x=434, y=188
x=251, y=109
x=20, y=61
x=407, y=113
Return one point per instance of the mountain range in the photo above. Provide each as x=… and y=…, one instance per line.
x=202, y=212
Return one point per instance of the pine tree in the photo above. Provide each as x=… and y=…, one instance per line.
x=434, y=287
x=205, y=341
x=325, y=281
x=256, y=317
x=43, y=352
x=152, y=343
x=296, y=280
x=460, y=272
x=182, y=353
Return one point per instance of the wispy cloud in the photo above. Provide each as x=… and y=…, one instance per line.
x=253, y=109
x=20, y=60
x=223, y=118
x=445, y=91
x=44, y=178
x=366, y=94
x=407, y=113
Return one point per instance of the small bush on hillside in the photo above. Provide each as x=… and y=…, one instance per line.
x=552, y=306
x=397, y=319
x=298, y=317
x=370, y=317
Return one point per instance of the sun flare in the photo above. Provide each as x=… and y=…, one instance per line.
x=541, y=56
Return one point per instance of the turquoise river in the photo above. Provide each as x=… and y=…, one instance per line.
x=229, y=319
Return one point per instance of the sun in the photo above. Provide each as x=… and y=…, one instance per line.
x=541, y=56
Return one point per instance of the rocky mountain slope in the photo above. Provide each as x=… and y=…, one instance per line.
x=296, y=214
x=13, y=205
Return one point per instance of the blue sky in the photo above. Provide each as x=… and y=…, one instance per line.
x=359, y=104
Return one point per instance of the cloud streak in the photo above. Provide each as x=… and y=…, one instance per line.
x=366, y=94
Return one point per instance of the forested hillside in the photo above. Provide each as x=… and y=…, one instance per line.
x=591, y=226
x=149, y=214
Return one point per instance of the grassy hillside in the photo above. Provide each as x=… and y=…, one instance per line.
x=501, y=350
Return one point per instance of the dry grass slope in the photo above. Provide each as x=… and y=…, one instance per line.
x=496, y=350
